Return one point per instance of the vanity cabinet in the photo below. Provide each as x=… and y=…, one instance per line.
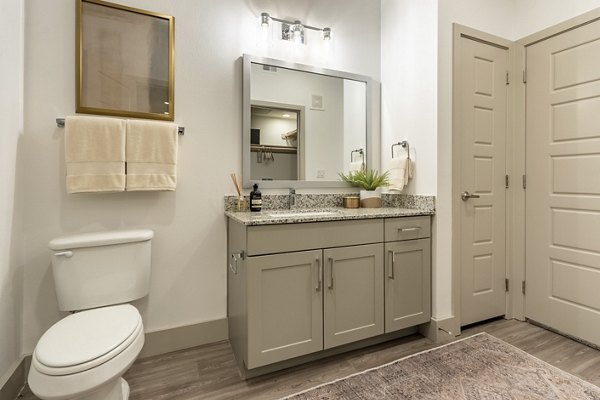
x=408, y=272
x=299, y=289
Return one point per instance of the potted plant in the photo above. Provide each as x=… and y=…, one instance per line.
x=370, y=181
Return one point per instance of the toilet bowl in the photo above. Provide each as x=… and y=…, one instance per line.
x=84, y=355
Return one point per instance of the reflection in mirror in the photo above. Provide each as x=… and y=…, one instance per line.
x=274, y=140
x=301, y=124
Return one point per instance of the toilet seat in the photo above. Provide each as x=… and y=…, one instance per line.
x=49, y=382
x=87, y=339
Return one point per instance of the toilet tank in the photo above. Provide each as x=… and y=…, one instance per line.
x=102, y=268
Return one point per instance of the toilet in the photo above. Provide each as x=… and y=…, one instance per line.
x=84, y=355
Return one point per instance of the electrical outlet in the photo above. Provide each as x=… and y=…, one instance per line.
x=320, y=173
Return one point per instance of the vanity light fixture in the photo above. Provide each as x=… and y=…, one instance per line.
x=293, y=30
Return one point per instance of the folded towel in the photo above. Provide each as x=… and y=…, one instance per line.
x=355, y=166
x=95, y=154
x=151, y=155
x=398, y=173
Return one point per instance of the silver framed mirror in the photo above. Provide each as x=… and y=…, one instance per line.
x=302, y=125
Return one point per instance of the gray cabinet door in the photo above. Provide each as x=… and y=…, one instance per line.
x=353, y=293
x=407, y=284
x=285, y=314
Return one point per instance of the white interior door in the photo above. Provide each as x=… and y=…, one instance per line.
x=563, y=182
x=483, y=103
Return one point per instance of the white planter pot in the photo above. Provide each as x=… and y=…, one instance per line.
x=370, y=198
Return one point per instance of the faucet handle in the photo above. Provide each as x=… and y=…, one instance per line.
x=292, y=191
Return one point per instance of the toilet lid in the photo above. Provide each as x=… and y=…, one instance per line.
x=87, y=335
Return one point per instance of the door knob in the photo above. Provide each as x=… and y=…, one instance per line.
x=466, y=196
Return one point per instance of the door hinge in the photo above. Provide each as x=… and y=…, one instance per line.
x=506, y=284
x=506, y=181
x=523, y=287
x=524, y=181
x=507, y=78
x=524, y=76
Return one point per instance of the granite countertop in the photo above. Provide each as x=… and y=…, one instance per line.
x=273, y=217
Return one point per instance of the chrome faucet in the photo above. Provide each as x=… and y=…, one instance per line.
x=292, y=198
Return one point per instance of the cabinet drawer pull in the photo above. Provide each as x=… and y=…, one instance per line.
x=319, y=274
x=330, y=286
x=412, y=229
x=391, y=270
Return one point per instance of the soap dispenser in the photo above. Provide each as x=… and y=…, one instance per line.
x=255, y=199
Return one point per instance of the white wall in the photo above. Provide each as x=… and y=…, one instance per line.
x=535, y=15
x=189, y=249
x=11, y=112
x=409, y=86
x=355, y=121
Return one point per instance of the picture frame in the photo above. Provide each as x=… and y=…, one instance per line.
x=124, y=61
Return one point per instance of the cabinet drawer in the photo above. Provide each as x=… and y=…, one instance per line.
x=406, y=228
x=269, y=239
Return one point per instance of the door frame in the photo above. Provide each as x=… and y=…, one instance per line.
x=519, y=156
x=459, y=32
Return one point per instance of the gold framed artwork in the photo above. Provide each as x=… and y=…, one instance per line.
x=125, y=61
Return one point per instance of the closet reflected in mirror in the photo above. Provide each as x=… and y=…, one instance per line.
x=275, y=132
x=301, y=123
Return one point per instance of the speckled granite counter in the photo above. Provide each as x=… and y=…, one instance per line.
x=272, y=217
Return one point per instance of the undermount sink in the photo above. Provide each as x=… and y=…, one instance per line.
x=295, y=214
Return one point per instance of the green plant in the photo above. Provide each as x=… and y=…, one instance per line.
x=366, y=179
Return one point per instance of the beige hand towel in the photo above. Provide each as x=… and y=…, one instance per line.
x=398, y=173
x=151, y=155
x=95, y=154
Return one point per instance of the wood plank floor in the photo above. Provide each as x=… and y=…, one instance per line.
x=209, y=372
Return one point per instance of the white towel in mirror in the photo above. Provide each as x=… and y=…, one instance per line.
x=355, y=166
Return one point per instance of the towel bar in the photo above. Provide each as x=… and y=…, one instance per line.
x=404, y=144
x=60, y=122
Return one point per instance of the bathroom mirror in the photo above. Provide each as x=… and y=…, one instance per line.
x=302, y=125
x=124, y=59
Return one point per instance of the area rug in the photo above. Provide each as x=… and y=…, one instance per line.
x=477, y=367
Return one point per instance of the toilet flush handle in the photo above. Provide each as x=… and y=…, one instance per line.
x=67, y=254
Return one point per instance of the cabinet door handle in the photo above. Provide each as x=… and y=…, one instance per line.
x=319, y=274
x=391, y=269
x=330, y=273
x=416, y=228
x=67, y=254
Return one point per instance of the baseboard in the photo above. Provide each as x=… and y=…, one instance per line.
x=14, y=380
x=184, y=337
x=439, y=330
